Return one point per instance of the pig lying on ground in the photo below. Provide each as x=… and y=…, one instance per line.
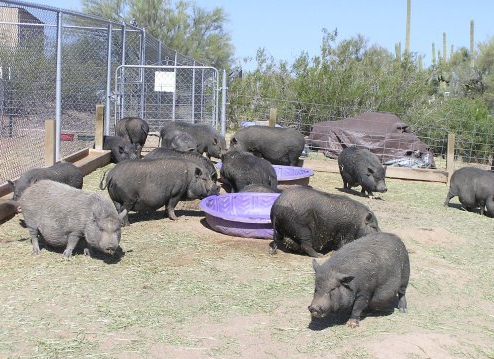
x=62, y=215
x=208, y=140
x=63, y=172
x=360, y=167
x=370, y=272
x=314, y=222
x=474, y=188
x=144, y=186
x=240, y=169
x=280, y=146
x=121, y=148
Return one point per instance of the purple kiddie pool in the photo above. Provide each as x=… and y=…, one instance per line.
x=289, y=175
x=240, y=214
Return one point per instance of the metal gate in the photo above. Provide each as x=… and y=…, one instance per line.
x=167, y=93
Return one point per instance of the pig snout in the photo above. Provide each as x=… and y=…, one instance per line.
x=316, y=311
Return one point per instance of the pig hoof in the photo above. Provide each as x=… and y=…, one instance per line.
x=87, y=252
x=352, y=323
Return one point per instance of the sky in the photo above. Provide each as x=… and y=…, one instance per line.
x=286, y=28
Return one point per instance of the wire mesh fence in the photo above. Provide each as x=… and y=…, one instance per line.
x=58, y=65
x=474, y=144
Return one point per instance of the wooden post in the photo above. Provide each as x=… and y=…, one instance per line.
x=272, y=117
x=50, y=155
x=450, y=156
x=100, y=127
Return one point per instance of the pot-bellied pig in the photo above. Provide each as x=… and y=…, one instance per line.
x=280, y=146
x=208, y=140
x=144, y=186
x=62, y=215
x=360, y=167
x=134, y=129
x=179, y=140
x=240, y=169
x=314, y=222
x=371, y=272
x=121, y=148
x=63, y=172
x=194, y=156
x=474, y=188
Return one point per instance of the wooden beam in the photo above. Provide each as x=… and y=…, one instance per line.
x=100, y=127
x=50, y=156
x=272, y=117
x=450, y=156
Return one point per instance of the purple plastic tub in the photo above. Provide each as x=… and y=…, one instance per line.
x=290, y=175
x=240, y=214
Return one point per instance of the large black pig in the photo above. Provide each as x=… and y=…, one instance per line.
x=121, y=148
x=193, y=156
x=280, y=146
x=144, y=186
x=360, y=167
x=134, y=129
x=314, y=222
x=63, y=172
x=240, y=169
x=371, y=272
x=179, y=140
x=474, y=188
x=208, y=140
x=62, y=215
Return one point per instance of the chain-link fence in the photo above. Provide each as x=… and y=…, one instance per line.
x=58, y=65
x=473, y=145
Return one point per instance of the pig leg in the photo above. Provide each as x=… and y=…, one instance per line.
x=448, y=198
x=72, y=240
x=306, y=243
x=359, y=305
x=34, y=240
x=402, y=301
x=277, y=240
x=170, y=208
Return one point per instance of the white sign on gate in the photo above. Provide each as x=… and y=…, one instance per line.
x=164, y=81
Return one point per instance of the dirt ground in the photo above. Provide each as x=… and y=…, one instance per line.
x=181, y=290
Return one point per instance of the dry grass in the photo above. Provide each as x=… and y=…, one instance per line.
x=182, y=291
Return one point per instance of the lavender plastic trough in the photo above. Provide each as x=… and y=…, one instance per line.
x=240, y=214
x=289, y=175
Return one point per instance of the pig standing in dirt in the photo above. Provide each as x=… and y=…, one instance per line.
x=135, y=130
x=371, y=272
x=208, y=140
x=121, y=148
x=193, y=156
x=474, y=188
x=240, y=169
x=63, y=172
x=280, y=146
x=144, y=186
x=360, y=167
x=314, y=222
x=62, y=215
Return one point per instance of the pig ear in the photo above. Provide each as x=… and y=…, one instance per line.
x=369, y=217
x=344, y=279
x=198, y=172
x=315, y=265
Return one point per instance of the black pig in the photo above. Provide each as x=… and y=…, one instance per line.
x=371, y=272
x=474, y=188
x=134, y=129
x=360, y=167
x=121, y=148
x=316, y=222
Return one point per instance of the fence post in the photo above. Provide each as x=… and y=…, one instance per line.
x=100, y=127
x=272, y=117
x=450, y=156
x=50, y=148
